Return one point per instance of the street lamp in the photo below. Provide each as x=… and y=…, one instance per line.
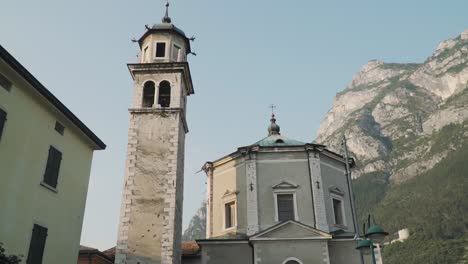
x=374, y=234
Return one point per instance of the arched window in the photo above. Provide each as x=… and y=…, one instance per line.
x=148, y=94
x=164, y=98
x=292, y=261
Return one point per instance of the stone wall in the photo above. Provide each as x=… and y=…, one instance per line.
x=151, y=211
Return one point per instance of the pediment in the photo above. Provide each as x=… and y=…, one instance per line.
x=285, y=185
x=336, y=190
x=291, y=230
x=230, y=193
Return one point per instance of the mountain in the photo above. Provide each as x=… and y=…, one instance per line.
x=196, y=228
x=407, y=127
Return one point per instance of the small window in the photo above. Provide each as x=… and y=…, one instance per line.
x=160, y=49
x=37, y=245
x=59, y=128
x=164, y=98
x=230, y=214
x=148, y=94
x=285, y=207
x=3, y=118
x=53, y=167
x=5, y=83
x=292, y=262
x=338, y=211
x=279, y=141
x=175, y=53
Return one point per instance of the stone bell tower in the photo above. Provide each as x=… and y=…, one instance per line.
x=150, y=228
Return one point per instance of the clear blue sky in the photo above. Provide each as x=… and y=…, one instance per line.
x=295, y=54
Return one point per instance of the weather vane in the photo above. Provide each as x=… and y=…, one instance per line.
x=273, y=107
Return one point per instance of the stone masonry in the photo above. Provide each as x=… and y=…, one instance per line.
x=151, y=212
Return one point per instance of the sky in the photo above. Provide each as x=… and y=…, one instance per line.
x=250, y=54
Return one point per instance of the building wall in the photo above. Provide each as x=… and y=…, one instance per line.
x=229, y=177
x=226, y=253
x=333, y=175
x=272, y=169
x=344, y=252
x=307, y=251
x=28, y=134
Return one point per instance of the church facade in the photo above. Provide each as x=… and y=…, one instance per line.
x=279, y=201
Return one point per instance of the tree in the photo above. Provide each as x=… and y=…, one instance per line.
x=8, y=259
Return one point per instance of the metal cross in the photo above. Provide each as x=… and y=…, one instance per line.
x=273, y=107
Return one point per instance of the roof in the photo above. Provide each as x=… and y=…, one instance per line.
x=278, y=141
x=190, y=249
x=26, y=75
x=84, y=250
x=165, y=28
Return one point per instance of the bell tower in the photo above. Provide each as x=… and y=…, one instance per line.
x=150, y=227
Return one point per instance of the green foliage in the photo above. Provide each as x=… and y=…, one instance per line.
x=401, y=66
x=433, y=205
x=369, y=191
x=419, y=250
x=457, y=68
x=450, y=51
x=8, y=259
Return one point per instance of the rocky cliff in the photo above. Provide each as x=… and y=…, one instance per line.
x=407, y=127
x=196, y=228
x=390, y=111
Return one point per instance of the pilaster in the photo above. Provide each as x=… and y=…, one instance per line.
x=208, y=168
x=252, y=192
x=317, y=191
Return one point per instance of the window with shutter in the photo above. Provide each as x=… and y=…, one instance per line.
x=285, y=207
x=3, y=119
x=37, y=245
x=53, y=167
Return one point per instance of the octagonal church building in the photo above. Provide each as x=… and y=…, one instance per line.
x=281, y=201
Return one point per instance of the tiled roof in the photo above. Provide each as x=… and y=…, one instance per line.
x=190, y=248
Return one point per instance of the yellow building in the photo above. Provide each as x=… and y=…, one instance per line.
x=45, y=163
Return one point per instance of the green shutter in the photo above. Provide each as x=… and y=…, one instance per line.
x=53, y=167
x=37, y=245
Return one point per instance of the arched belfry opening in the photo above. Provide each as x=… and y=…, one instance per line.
x=164, y=97
x=149, y=91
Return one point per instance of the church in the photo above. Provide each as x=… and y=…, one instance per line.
x=277, y=200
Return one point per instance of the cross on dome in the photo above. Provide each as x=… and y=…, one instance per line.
x=166, y=18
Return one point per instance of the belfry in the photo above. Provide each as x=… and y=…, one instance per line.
x=151, y=211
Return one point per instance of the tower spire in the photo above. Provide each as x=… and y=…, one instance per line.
x=166, y=18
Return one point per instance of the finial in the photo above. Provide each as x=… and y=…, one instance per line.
x=272, y=106
x=166, y=18
x=273, y=129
